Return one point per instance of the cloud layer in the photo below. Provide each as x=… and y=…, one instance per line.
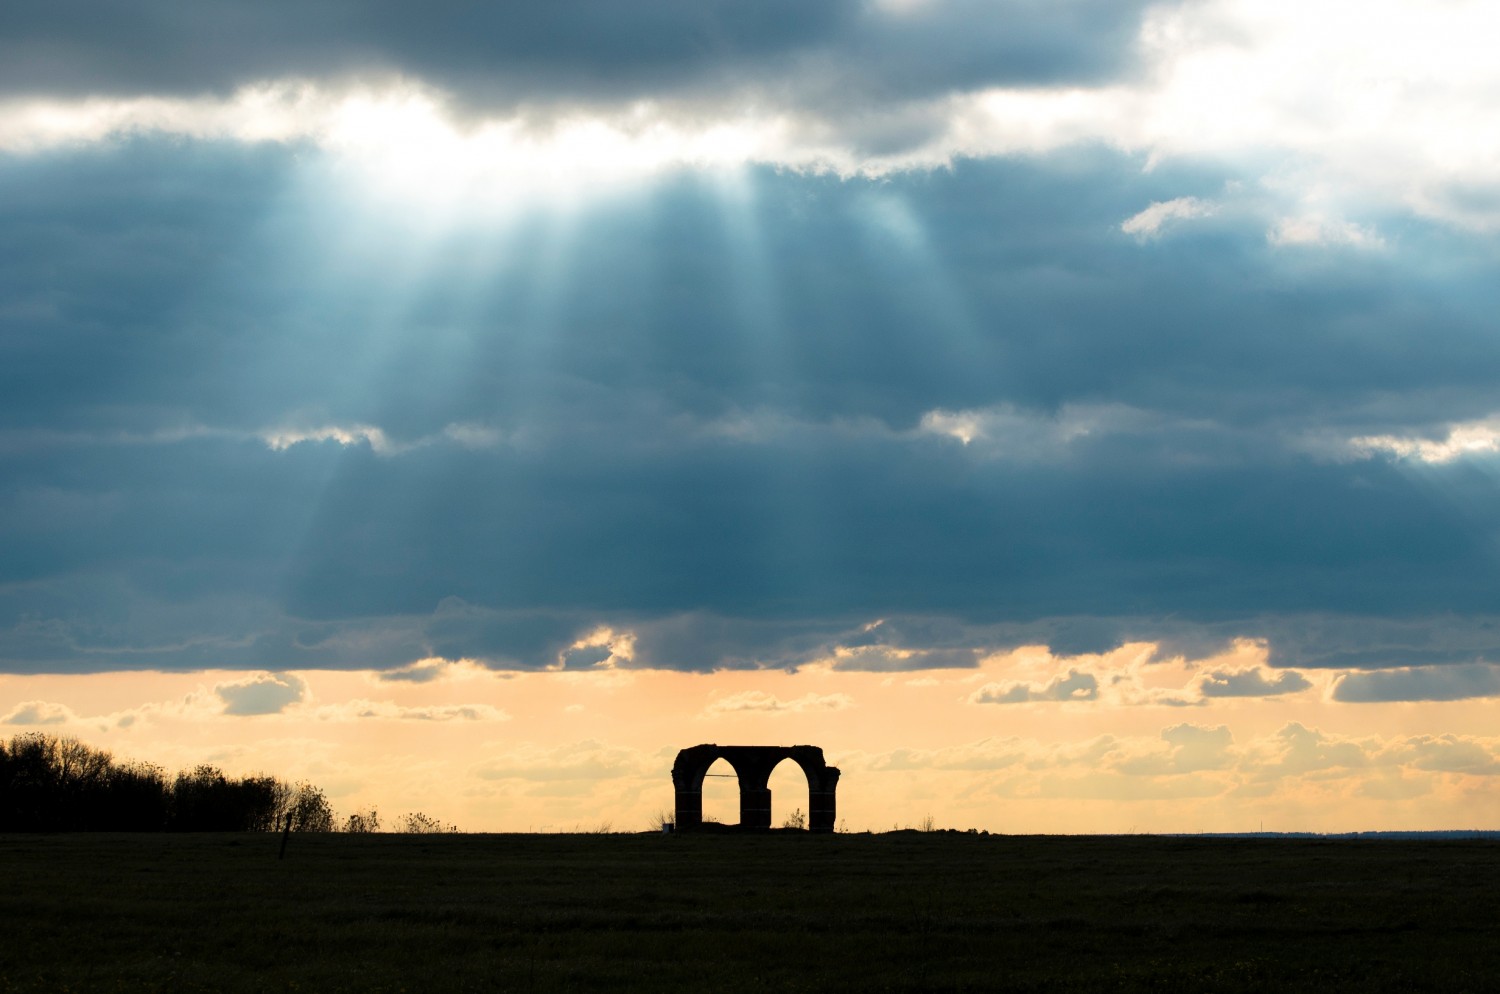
x=880, y=335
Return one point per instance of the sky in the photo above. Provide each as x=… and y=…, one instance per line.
x=1078, y=416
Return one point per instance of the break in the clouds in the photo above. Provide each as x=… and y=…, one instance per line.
x=885, y=336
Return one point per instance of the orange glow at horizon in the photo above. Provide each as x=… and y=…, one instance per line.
x=1144, y=750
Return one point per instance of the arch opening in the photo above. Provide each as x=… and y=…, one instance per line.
x=790, y=795
x=721, y=794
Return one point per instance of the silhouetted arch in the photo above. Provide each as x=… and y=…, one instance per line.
x=753, y=766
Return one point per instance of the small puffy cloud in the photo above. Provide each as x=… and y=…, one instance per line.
x=965, y=426
x=1148, y=223
x=1190, y=749
x=1198, y=747
x=1419, y=683
x=1251, y=683
x=38, y=713
x=1451, y=754
x=759, y=700
x=1299, y=749
x=264, y=693
x=1074, y=686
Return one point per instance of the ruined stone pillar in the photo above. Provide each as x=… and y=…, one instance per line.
x=822, y=804
x=689, y=809
x=755, y=806
x=687, y=779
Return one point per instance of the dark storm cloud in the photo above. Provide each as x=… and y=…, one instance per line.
x=179, y=47
x=1436, y=683
x=499, y=55
x=1343, y=642
x=719, y=440
x=1251, y=683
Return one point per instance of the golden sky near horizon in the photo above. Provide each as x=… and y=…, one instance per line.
x=1125, y=745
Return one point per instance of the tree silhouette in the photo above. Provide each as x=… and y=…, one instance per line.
x=57, y=785
x=50, y=784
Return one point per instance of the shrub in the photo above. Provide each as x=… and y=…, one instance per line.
x=416, y=823
x=310, y=810
x=362, y=822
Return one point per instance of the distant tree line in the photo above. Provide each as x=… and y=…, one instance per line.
x=52, y=784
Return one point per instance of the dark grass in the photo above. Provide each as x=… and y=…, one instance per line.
x=783, y=912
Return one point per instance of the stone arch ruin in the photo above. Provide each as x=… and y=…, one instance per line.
x=753, y=765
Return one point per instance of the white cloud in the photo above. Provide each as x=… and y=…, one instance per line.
x=1189, y=749
x=1451, y=754
x=1148, y=223
x=1297, y=749
x=757, y=700
x=463, y=435
x=1010, y=432
x=280, y=439
x=1322, y=232
x=267, y=112
x=360, y=709
x=1462, y=439
x=962, y=425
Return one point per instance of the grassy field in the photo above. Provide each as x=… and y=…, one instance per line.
x=783, y=912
